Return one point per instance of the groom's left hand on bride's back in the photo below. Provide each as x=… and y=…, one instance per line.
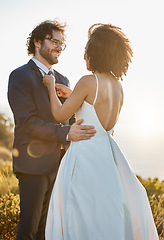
x=80, y=132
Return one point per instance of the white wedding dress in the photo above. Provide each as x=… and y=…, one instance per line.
x=96, y=195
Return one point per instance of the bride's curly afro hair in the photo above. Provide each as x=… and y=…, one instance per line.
x=108, y=50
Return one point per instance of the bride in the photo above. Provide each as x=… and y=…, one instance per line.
x=96, y=195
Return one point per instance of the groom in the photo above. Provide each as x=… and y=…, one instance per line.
x=38, y=137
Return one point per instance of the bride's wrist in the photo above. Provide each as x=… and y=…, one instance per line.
x=51, y=89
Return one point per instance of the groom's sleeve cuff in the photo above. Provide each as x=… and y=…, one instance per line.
x=67, y=138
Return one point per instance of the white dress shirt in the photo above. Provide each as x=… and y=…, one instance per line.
x=43, y=69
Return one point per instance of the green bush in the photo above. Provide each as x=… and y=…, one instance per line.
x=5, y=154
x=157, y=206
x=8, y=181
x=9, y=215
x=6, y=131
x=153, y=186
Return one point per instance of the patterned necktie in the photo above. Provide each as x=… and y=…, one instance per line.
x=50, y=73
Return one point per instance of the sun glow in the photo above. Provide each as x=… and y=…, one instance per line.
x=146, y=122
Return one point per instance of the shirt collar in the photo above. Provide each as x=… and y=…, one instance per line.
x=41, y=66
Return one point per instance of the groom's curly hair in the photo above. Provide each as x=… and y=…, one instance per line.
x=41, y=31
x=108, y=50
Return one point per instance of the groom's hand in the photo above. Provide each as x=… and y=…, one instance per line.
x=80, y=132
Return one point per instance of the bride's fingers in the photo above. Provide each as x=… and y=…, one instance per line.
x=58, y=93
x=61, y=87
x=58, y=89
x=58, y=86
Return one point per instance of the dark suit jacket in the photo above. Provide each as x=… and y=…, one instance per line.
x=38, y=137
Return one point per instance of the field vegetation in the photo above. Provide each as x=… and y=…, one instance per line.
x=9, y=194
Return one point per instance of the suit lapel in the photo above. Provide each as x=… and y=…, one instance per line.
x=38, y=73
x=57, y=80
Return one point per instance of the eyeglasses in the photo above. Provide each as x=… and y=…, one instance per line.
x=57, y=43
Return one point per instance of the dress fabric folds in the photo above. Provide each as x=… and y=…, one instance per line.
x=96, y=194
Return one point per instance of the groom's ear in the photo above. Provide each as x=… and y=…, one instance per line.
x=37, y=43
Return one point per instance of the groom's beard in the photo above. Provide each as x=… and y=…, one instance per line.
x=49, y=54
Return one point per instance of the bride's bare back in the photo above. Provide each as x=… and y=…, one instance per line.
x=109, y=99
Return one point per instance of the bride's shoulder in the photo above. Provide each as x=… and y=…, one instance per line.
x=86, y=80
x=87, y=77
x=84, y=86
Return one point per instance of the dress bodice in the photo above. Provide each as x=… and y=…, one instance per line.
x=88, y=113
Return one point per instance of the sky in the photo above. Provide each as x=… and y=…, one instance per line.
x=140, y=129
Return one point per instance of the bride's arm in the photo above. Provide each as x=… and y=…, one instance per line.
x=62, y=112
